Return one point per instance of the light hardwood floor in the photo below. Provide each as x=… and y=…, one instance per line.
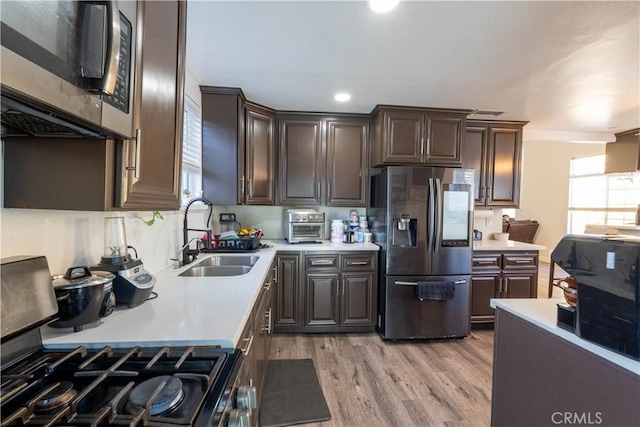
x=370, y=382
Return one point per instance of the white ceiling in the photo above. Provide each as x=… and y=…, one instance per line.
x=570, y=68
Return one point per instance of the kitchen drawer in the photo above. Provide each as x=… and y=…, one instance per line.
x=487, y=262
x=518, y=262
x=321, y=262
x=358, y=262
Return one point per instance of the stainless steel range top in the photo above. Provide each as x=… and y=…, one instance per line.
x=161, y=386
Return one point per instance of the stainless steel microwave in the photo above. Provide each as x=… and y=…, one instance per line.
x=67, y=67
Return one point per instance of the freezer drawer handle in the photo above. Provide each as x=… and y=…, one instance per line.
x=457, y=282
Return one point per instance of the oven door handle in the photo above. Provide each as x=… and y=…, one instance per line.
x=457, y=282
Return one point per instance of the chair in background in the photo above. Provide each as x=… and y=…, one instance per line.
x=520, y=230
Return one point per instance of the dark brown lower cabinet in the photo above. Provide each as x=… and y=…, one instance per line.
x=357, y=302
x=511, y=274
x=255, y=342
x=335, y=292
x=339, y=292
x=287, y=292
x=321, y=299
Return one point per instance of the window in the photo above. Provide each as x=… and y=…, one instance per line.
x=191, y=151
x=596, y=198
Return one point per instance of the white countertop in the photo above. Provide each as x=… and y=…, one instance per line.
x=188, y=310
x=543, y=313
x=505, y=245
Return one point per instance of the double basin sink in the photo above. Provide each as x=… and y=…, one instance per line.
x=221, y=265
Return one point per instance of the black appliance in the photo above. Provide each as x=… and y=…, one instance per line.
x=167, y=386
x=607, y=269
x=83, y=297
x=133, y=284
x=67, y=67
x=422, y=219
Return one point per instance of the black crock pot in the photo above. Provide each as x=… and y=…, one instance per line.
x=83, y=297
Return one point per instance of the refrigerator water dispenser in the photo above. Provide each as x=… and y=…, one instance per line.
x=404, y=231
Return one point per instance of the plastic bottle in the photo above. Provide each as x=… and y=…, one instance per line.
x=337, y=231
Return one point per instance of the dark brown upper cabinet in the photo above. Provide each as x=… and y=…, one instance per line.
x=152, y=162
x=103, y=175
x=301, y=165
x=323, y=160
x=260, y=155
x=347, y=173
x=417, y=136
x=494, y=150
x=238, y=148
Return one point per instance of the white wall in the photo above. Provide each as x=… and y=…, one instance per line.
x=545, y=187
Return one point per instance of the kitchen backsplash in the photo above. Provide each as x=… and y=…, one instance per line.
x=488, y=222
x=70, y=238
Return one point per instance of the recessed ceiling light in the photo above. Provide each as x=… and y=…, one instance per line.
x=382, y=6
x=342, y=97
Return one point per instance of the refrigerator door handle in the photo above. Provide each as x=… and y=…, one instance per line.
x=431, y=216
x=457, y=282
x=438, y=212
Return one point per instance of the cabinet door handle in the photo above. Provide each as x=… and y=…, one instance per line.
x=250, y=187
x=322, y=262
x=506, y=286
x=318, y=189
x=242, y=186
x=428, y=140
x=267, y=327
x=338, y=289
x=329, y=189
x=267, y=285
x=421, y=145
x=247, y=349
x=136, y=164
x=275, y=274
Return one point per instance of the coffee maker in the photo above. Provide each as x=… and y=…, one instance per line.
x=133, y=284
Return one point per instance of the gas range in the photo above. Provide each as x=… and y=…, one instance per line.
x=153, y=386
x=141, y=386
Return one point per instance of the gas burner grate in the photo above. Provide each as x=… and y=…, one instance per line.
x=165, y=386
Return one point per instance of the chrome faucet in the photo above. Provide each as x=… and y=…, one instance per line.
x=188, y=254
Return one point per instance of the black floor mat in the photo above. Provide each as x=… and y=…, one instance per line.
x=292, y=394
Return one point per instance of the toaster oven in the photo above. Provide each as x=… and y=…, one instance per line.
x=304, y=226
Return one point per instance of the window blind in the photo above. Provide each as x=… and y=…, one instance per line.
x=192, y=137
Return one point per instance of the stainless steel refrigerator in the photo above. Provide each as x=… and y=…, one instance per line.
x=422, y=218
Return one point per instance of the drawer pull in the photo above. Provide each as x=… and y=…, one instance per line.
x=322, y=262
x=359, y=263
x=523, y=261
x=486, y=262
x=267, y=286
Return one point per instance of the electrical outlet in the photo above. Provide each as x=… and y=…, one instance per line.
x=489, y=222
x=611, y=260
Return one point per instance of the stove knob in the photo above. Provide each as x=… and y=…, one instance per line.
x=239, y=418
x=246, y=398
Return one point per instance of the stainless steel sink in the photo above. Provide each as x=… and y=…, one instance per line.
x=216, y=270
x=221, y=265
x=248, y=260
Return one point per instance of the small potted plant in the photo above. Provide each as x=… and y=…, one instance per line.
x=186, y=193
